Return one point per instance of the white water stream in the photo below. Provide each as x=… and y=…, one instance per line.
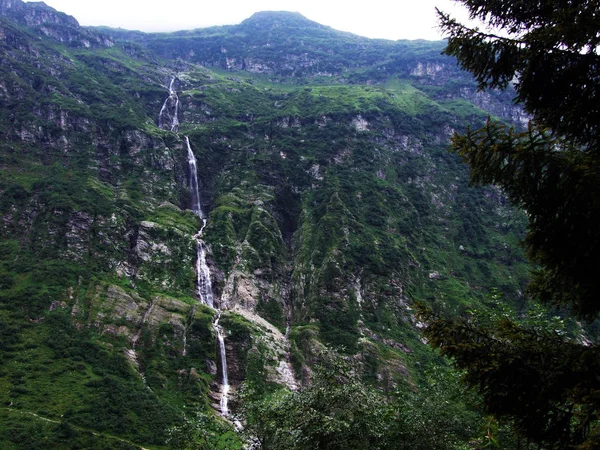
x=192, y=163
x=168, y=119
x=225, y=382
x=203, y=282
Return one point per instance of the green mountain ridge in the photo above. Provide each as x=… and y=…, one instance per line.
x=332, y=206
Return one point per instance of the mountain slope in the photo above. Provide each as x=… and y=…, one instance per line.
x=332, y=205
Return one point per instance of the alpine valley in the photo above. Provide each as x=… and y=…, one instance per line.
x=197, y=222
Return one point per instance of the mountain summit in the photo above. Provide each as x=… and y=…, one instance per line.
x=281, y=19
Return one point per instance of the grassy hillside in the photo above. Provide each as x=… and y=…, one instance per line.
x=333, y=205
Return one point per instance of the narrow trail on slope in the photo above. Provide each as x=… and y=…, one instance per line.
x=87, y=430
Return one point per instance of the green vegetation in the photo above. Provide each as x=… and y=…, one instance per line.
x=203, y=433
x=338, y=411
x=539, y=374
x=332, y=205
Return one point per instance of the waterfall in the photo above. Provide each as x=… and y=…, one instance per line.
x=196, y=207
x=225, y=381
x=165, y=119
x=175, y=119
x=203, y=282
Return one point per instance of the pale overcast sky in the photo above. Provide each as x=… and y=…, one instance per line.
x=387, y=19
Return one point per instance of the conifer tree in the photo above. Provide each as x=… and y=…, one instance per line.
x=547, y=384
x=549, y=51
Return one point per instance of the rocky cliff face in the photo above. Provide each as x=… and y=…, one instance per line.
x=331, y=207
x=34, y=14
x=51, y=23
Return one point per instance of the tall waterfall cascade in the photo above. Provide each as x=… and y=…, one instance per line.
x=193, y=165
x=203, y=282
x=168, y=119
x=225, y=384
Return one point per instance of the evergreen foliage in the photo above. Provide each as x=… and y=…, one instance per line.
x=543, y=380
x=553, y=169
